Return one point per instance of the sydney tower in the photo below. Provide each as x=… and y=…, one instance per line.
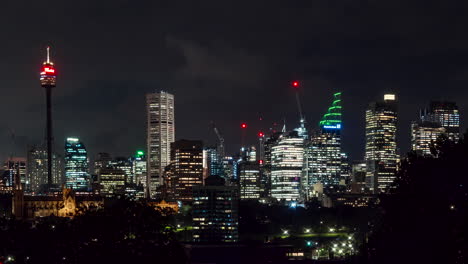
x=48, y=77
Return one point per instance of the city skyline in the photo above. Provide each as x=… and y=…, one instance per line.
x=97, y=85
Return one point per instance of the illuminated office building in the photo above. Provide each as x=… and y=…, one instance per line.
x=76, y=165
x=268, y=144
x=447, y=115
x=215, y=212
x=112, y=181
x=323, y=157
x=160, y=135
x=12, y=167
x=37, y=170
x=287, y=158
x=381, y=150
x=212, y=165
x=139, y=168
x=249, y=180
x=124, y=164
x=186, y=169
x=424, y=135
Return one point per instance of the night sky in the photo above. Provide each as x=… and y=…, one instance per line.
x=225, y=61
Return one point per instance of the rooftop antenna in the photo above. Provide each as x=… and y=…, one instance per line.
x=48, y=56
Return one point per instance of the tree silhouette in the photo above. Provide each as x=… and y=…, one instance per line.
x=424, y=219
x=123, y=232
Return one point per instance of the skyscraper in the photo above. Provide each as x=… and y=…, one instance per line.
x=186, y=168
x=249, y=180
x=323, y=160
x=160, y=135
x=287, y=158
x=447, y=115
x=212, y=163
x=139, y=168
x=48, y=81
x=381, y=150
x=266, y=167
x=37, y=170
x=76, y=165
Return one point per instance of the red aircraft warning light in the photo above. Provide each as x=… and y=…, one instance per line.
x=260, y=134
x=243, y=125
x=295, y=84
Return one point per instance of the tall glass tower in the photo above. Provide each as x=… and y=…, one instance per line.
x=381, y=148
x=160, y=135
x=323, y=153
x=76, y=165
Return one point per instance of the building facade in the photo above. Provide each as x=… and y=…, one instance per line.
x=37, y=169
x=424, y=136
x=322, y=158
x=215, y=213
x=102, y=161
x=251, y=187
x=139, y=168
x=12, y=167
x=381, y=147
x=160, y=135
x=287, y=158
x=112, y=182
x=186, y=169
x=76, y=165
x=447, y=115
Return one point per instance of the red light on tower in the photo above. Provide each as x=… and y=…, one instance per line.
x=295, y=84
x=260, y=134
x=243, y=125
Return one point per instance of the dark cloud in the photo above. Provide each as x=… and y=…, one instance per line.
x=227, y=62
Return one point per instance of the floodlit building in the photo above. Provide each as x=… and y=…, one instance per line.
x=381, y=148
x=186, y=169
x=215, y=212
x=287, y=158
x=76, y=165
x=160, y=135
x=250, y=180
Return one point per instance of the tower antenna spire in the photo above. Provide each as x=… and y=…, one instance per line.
x=48, y=57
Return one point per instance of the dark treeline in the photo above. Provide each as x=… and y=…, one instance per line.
x=424, y=219
x=122, y=232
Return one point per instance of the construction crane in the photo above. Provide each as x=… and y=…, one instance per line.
x=301, y=130
x=221, y=141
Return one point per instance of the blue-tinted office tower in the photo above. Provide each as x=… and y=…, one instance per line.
x=76, y=165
